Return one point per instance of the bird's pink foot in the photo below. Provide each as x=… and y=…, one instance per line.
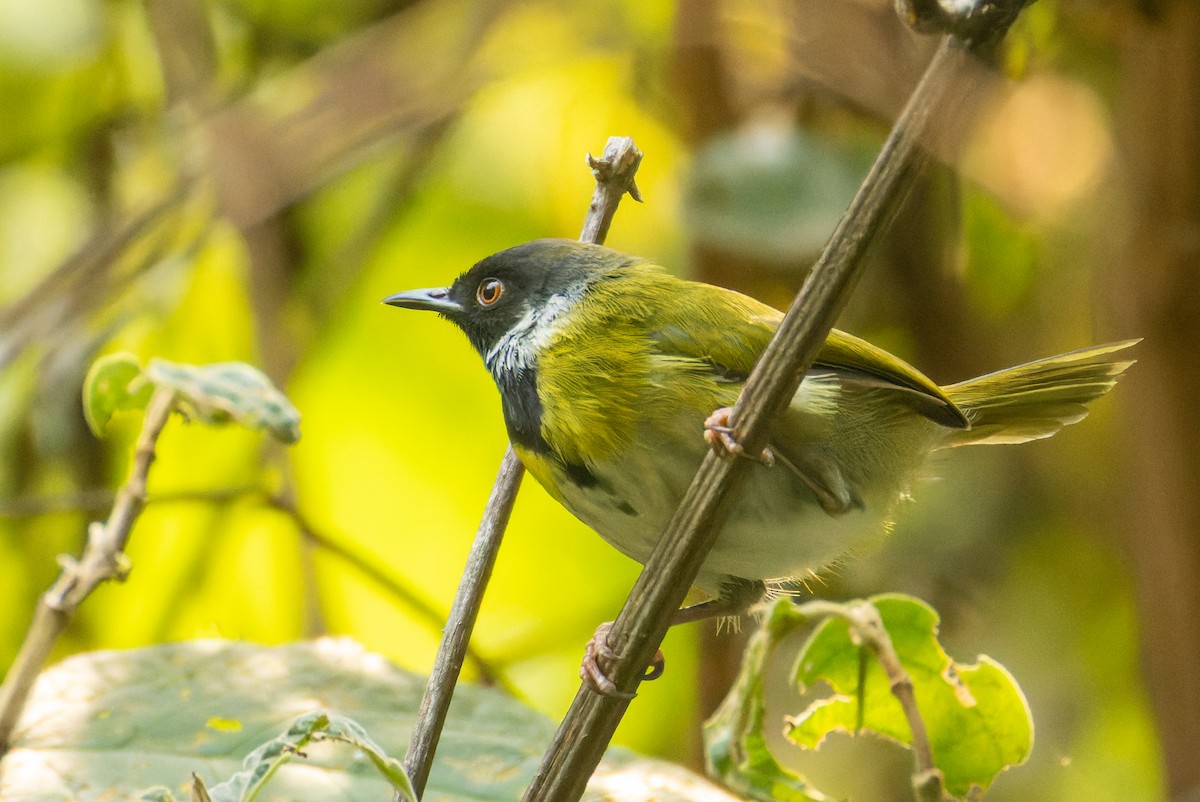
x=591, y=672
x=719, y=435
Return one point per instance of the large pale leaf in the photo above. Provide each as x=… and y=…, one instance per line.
x=109, y=725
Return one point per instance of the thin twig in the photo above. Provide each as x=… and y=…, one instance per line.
x=588, y=727
x=431, y=717
x=614, y=172
x=98, y=499
x=101, y=498
x=867, y=627
x=103, y=559
x=80, y=283
x=368, y=566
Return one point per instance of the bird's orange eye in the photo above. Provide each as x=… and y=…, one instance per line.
x=490, y=290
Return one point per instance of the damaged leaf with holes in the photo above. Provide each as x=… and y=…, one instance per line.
x=977, y=719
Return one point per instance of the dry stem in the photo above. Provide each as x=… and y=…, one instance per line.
x=103, y=559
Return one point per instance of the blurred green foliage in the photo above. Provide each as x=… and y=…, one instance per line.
x=249, y=189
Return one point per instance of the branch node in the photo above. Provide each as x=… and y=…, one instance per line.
x=974, y=21
x=634, y=192
x=928, y=785
x=96, y=534
x=615, y=169
x=121, y=566
x=56, y=596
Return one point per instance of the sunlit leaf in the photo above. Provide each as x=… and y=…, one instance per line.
x=107, y=725
x=977, y=720
x=976, y=716
x=113, y=384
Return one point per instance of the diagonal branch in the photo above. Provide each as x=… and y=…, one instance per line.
x=589, y=725
x=614, y=172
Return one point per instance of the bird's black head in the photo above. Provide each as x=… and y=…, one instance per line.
x=508, y=291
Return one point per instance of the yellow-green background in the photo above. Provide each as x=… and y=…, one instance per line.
x=338, y=152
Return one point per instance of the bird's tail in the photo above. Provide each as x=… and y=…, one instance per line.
x=1035, y=400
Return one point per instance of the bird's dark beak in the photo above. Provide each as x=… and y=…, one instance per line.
x=436, y=299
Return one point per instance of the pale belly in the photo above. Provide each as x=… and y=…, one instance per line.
x=777, y=530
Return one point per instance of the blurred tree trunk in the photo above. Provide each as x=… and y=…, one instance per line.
x=1158, y=295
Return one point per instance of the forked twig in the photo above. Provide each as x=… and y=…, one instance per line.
x=614, y=172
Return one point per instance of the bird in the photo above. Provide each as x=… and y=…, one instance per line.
x=616, y=376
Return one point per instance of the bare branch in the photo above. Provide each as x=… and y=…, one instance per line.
x=614, y=173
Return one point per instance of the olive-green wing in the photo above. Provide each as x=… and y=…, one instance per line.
x=871, y=365
x=722, y=327
x=732, y=330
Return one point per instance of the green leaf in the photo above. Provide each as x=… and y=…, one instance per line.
x=735, y=750
x=348, y=731
x=977, y=719
x=261, y=765
x=106, y=725
x=113, y=384
x=228, y=391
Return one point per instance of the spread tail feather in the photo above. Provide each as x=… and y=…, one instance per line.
x=1034, y=400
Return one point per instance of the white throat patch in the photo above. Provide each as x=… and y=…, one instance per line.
x=517, y=350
